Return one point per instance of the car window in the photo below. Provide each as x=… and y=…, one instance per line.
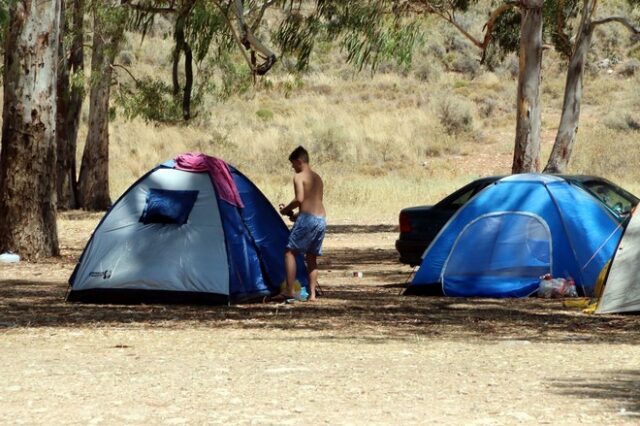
x=609, y=195
x=461, y=199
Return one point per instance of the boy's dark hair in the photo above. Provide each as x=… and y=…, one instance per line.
x=299, y=154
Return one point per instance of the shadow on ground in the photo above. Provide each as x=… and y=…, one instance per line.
x=347, y=311
x=360, y=229
x=32, y=295
x=622, y=387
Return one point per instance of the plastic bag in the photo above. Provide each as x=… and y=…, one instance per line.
x=551, y=288
x=300, y=291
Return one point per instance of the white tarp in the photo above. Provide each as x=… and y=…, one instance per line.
x=622, y=290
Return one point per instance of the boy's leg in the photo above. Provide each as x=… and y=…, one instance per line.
x=290, y=267
x=312, y=267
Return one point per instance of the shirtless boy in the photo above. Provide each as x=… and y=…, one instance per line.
x=310, y=224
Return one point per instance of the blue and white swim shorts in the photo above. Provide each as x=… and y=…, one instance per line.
x=307, y=234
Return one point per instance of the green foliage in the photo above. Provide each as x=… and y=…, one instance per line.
x=369, y=32
x=264, y=114
x=206, y=26
x=559, y=18
x=559, y=23
x=5, y=5
x=296, y=36
x=4, y=12
x=236, y=77
x=369, y=47
x=150, y=99
x=458, y=84
x=506, y=31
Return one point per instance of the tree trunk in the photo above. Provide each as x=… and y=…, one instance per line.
x=93, y=184
x=28, y=156
x=178, y=36
x=526, y=155
x=188, y=82
x=568, y=129
x=70, y=96
x=182, y=45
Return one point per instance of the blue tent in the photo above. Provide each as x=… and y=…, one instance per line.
x=171, y=237
x=514, y=231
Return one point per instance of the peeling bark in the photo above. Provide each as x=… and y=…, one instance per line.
x=93, y=183
x=526, y=155
x=568, y=128
x=28, y=155
x=183, y=46
x=70, y=97
x=569, y=120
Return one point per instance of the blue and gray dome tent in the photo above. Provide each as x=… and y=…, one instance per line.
x=514, y=231
x=172, y=238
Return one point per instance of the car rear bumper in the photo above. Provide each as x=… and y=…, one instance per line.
x=410, y=251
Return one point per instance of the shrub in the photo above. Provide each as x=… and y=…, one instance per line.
x=264, y=114
x=459, y=84
x=455, y=115
x=126, y=57
x=511, y=66
x=427, y=72
x=466, y=64
x=624, y=122
x=629, y=68
x=487, y=106
x=329, y=145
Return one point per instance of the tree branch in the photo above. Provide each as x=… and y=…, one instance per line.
x=237, y=38
x=451, y=19
x=448, y=16
x=619, y=19
x=264, y=7
x=561, y=23
x=149, y=9
x=114, y=66
x=488, y=26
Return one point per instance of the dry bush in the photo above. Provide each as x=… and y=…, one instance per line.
x=609, y=153
x=629, y=68
x=455, y=115
x=468, y=65
x=621, y=122
x=427, y=72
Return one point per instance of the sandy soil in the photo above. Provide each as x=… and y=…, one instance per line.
x=363, y=354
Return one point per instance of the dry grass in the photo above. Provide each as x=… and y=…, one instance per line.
x=383, y=142
x=377, y=140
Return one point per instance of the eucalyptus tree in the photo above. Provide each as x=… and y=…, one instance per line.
x=576, y=51
x=202, y=30
x=559, y=28
x=368, y=31
x=528, y=42
x=27, y=159
x=109, y=18
x=526, y=153
x=70, y=95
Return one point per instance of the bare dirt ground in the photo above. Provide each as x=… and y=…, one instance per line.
x=363, y=354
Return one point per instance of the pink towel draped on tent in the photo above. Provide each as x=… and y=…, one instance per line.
x=218, y=170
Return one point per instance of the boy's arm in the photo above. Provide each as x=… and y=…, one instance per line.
x=298, y=189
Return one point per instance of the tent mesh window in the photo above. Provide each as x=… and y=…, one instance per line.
x=500, y=247
x=168, y=206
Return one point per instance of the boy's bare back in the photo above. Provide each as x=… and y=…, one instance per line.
x=309, y=190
